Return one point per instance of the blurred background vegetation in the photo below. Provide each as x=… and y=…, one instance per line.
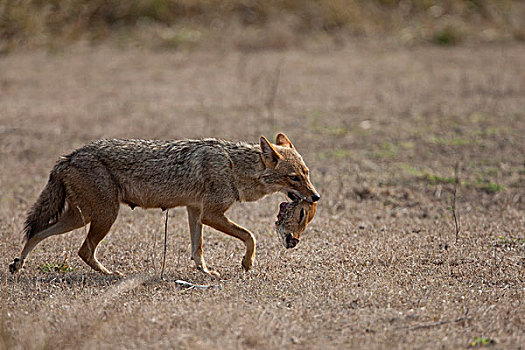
x=252, y=24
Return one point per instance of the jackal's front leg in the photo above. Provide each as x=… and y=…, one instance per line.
x=194, y=219
x=220, y=222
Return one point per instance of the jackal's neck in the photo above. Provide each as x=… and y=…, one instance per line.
x=248, y=169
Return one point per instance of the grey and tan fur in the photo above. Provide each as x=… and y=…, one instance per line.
x=206, y=176
x=292, y=220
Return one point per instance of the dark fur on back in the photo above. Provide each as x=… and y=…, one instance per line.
x=149, y=173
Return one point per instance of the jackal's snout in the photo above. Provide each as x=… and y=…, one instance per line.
x=307, y=189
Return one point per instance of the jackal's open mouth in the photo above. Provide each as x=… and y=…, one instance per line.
x=293, y=196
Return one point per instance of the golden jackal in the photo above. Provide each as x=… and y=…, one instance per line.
x=207, y=176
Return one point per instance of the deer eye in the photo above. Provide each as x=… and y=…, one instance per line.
x=301, y=215
x=295, y=178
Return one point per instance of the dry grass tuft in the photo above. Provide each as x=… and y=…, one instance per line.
x=253, y=25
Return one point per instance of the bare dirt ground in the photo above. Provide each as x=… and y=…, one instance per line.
x=379, y=267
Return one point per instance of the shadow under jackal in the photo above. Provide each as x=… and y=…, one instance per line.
x=207, y=176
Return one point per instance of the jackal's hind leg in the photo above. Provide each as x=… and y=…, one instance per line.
x=99, y=228
x=70, y=220
x=194, y=219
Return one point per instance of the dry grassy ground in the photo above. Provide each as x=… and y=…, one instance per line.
x=379, y=267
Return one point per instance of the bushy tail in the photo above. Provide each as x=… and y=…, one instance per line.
x=49, y=205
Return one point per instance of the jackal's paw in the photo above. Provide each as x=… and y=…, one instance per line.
x=209, y=272
x=247, y=264
x=117, y=273
x=15, y=265
x=111, y=273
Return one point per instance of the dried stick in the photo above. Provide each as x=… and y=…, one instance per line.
x=273, y=92
x=154, y=255
x=455, y=212
x=165, y=243
x=437, y=324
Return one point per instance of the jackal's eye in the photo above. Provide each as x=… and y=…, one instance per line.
x=301, y=215
x=295, y=178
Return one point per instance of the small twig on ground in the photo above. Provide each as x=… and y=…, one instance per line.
x=190, y=285
x=455, y=212
x=434, y=324
x=273, y=92
x=154, y=254
x=165, y=243
x=494, y=262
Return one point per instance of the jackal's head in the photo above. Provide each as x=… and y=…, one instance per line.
x=285, y=170
x=292, y=220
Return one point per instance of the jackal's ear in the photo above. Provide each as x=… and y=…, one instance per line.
x=270, y=155
x=283, y=140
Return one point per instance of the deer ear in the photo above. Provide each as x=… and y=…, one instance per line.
x=270, y=156
x=311, y=213
x=302, y=213
x=283, y=140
